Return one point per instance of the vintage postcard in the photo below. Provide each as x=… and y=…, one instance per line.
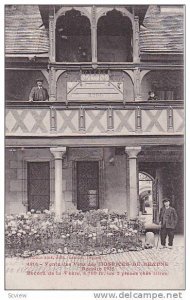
x=94, y=147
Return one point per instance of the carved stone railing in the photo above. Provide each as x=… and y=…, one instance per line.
x=59, y=119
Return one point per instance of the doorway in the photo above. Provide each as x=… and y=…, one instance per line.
x=87, y=185
x=38, y=182
x=148, y=198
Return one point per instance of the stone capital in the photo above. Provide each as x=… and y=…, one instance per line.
x=132, y=152
x=58, y=152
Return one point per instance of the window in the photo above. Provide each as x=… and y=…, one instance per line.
x=114, y=32
x=73, y=37
x=38, y=177
x=87, y=185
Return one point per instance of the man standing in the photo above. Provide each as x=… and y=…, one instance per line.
x=168, y=221
x=38, y=93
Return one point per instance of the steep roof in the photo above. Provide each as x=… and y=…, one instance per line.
x=24, y=30
x=162, y=31
x=25, y=33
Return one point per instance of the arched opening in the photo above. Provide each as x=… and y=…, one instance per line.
x=64, y=78
x=146, y=196
x=18, y=84
x=114, y=37
x=73, y=37
x=128, y=87
x=167, y=84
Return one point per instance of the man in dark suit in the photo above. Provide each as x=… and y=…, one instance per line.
x=38, y=93
x=168, y=221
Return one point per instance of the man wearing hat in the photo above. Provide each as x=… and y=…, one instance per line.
x=152, y=96
x=38, y=93
x=168, y=221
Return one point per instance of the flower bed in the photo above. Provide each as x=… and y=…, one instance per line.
x=91, y=233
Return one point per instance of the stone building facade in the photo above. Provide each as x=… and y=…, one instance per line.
x=98, y=137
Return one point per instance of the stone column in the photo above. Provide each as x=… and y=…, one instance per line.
x=132, y=153
x=58, y=154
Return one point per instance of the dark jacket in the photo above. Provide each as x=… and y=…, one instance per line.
x=172, y=218
x=37, y=94
x=154, y=98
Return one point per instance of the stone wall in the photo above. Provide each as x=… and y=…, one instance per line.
x=16, y=178
x=14, y=183
x=114, y=177
x=115, y=181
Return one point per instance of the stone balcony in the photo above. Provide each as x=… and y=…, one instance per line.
x=55, y=119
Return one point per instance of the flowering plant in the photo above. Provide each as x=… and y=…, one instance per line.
x=90, y=233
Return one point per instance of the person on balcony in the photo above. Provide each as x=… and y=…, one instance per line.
x=152, y=96
x=168, y=221
x=38, y=93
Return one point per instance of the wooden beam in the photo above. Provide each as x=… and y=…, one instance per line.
x=157, y=65
x=41, y=141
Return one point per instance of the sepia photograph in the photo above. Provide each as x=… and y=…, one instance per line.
x=94, y=147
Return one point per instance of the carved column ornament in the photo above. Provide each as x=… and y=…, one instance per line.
x=170, y=119
x=52, y=84
x=59, y=73
x=52, y=37
x=136, y=52
x=53, y=119
x=138, y=119
x=58, y=152
x=110, y=118
x=46, y=74
x=132, y=151
x=94, y=34
x=137, y=84
x=81, y=119
x=130, y=73
x=143, y=73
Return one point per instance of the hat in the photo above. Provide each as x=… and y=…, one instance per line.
x=37, y=80
x=150, y=92
x=165, y=200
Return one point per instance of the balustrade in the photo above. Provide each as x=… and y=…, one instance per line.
x=51, y=119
